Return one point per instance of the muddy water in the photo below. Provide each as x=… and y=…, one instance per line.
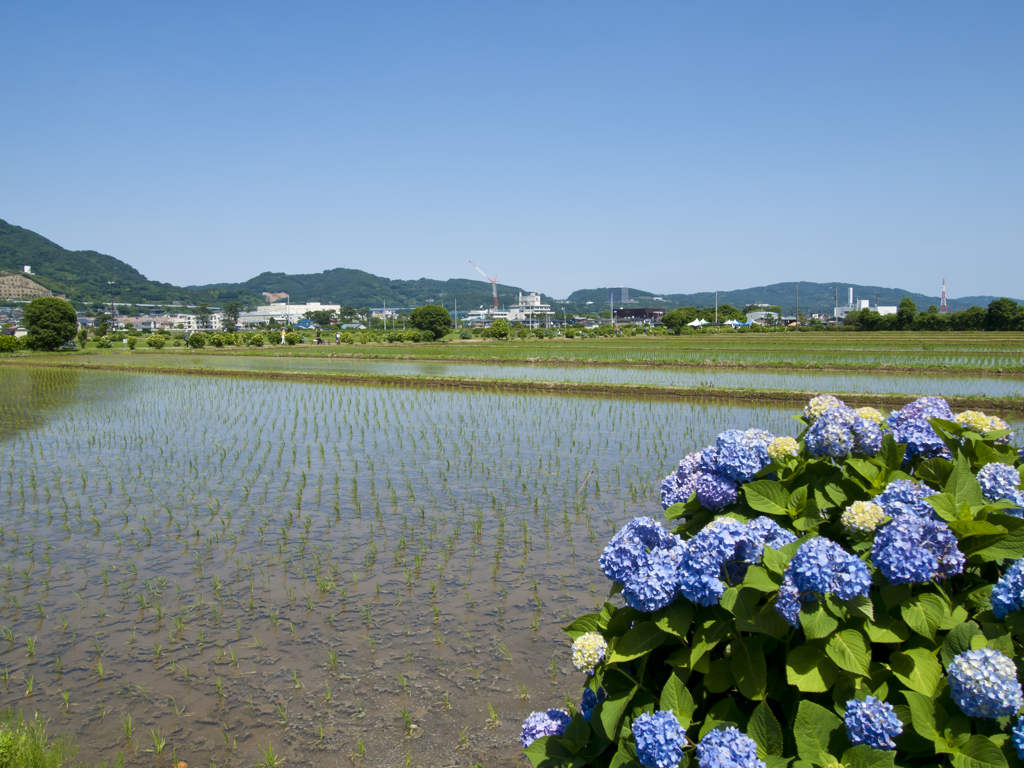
x=325, y=570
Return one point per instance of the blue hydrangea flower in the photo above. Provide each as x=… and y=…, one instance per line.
x=659, y=739
x=591, y=700
x=867, y=437
x=724, y=549
x=1017, y=734
x=820, y=567
x=1008, y=593
x=913, y=549
x=550, y=723
x=984, y=683
x=999, y=481
x=872, y=722
x=654, y=582
x=770, y=533
x=910, y=426
x=727, y=748
x=831, y=434
x=905, y=497
x=640, y=534
x=743, y=453
x=716, y=492
x=680, y=485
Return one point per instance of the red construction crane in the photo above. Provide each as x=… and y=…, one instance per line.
x=492, y=280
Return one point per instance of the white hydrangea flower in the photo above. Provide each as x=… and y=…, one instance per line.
x=863, y=516
x=781, y=447
x=588, y=650
x=819, y=404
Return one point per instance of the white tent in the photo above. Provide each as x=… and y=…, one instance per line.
x=698, y=323
x=733, y=322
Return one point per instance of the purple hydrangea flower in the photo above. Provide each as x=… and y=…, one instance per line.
x=905, y=497
x=820, y=567
x=727, y=748
x=659, y=739
x=984, y=683
x=832, y=433
x=591, y=700
x=913, y=549
x=999, y=481
x=867, y=437
x=872, y=722
x=1008, y=593
x=550, y=723
x=910, y=426
x=716, y=492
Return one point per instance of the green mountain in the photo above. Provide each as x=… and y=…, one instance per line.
x=355, y=288
x=814, y=297
x=84, y=276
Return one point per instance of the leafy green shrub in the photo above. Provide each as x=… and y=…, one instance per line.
x=830, y=603
x=465, y=333
x=347, y=337
x=9, y=344
x=255, y=340
x=216, y=340
x=292, y=338
x=156, y=341
x=196, y=340
x=103, y=342
x=132, y=341
x=570, y=333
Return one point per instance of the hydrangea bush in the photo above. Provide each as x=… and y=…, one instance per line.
x=851, y=597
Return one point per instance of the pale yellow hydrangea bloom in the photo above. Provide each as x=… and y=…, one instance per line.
x=819, y=404
x=872, y=414
x=781, y=447
x=863, y=516
x=976, y=421
x=588, y=650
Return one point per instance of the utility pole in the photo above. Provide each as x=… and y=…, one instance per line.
x=798, y=303
x=111, y=284
x=716, y=307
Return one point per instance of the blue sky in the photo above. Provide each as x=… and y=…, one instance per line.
x=668, y=146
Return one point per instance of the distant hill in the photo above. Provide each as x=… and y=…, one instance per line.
x=814, y=297
x=83, y=276
x=356, y=288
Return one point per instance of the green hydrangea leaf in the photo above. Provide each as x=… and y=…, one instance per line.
x=764, y=729
x=917, y=669
x=809, y=668
x=812, y=730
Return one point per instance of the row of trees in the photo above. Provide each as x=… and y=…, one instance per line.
x=678, y=319
x=1001, y=315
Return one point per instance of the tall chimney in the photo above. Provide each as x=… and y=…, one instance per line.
x=850, y=304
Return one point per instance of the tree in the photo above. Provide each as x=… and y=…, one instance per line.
x=1001, y=314
x=232, y=310
x=970, y=319
x=500, y=329
x=203, y=315
x=433, y=318
x=51, y=323
x=321, y=316
x=677, y=319
x=906, y=313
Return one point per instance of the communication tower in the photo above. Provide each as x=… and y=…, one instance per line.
x=943, y=309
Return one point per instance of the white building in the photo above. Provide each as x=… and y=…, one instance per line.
x=529, y=309
x=284, y=312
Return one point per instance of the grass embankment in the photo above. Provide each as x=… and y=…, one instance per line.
x=969, y=353
x=24, y=744
x=1006, y=405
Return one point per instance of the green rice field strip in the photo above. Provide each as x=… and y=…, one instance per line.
x=831, y=380
x=974, y=351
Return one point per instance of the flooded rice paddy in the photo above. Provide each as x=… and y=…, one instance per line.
x=878, y=382
x=205, y=568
